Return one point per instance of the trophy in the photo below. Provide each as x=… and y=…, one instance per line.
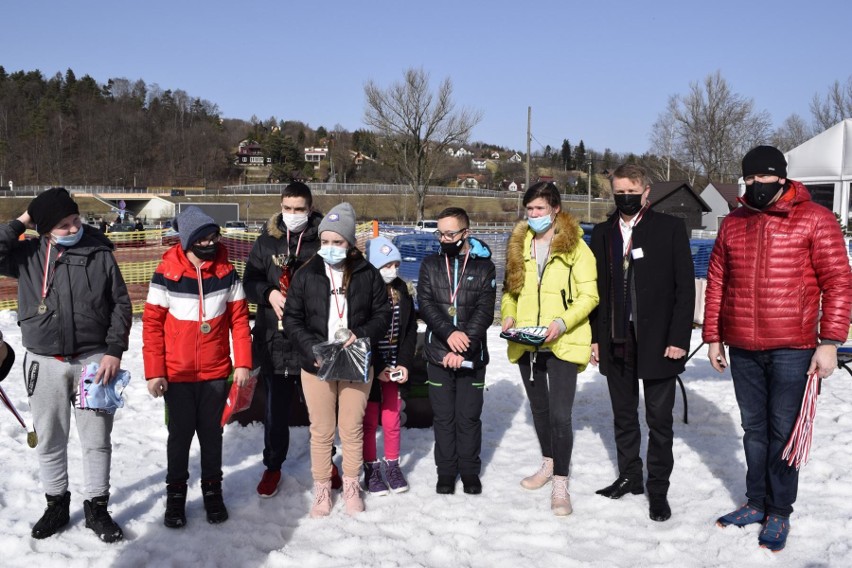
x=285, y=262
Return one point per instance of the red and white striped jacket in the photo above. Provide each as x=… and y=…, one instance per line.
x=183, y=303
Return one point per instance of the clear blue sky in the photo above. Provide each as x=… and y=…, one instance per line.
x=600, y=71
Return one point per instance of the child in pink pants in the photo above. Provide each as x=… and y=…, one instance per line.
x=392, y=358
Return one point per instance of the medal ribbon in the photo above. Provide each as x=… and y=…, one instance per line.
x=201, y=311
x=298, y=244
x=455, y=291
x=337, y=307
x=45, y=283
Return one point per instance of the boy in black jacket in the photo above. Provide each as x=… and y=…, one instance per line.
x=457, y=292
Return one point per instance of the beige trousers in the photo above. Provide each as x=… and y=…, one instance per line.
x=341, y=405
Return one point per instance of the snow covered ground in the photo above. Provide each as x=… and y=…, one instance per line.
x=506, y=526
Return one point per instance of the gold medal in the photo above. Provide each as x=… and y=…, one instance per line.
x=42, y=309
x=280, y=325
x=205, y=328
x=452, y=311
x=625, y=263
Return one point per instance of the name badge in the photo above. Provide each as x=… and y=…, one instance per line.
x=637, y=253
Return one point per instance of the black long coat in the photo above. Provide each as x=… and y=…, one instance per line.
x=665, y=293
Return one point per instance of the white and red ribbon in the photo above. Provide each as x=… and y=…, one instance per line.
x=798, y=448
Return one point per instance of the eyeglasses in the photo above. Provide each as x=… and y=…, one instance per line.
x=209, y=240
x=449, y=235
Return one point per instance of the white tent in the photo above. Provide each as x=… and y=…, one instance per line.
x=824, y=164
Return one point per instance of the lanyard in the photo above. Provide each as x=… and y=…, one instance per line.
x=535, y=258
x=454, y=292
x=298, y=244
x=626, y=260
x=340, y=310
x=45, y=283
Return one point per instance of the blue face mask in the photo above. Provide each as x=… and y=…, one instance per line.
x=69, y=240
x=332, y=255
x=540, y=224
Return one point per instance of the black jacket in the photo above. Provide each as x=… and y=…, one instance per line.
x=271, y=349
x=406, y=341
x=88, y=307
x=664, y=285
x=475, y=303
x=306, y=314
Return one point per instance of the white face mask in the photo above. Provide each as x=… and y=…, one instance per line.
x=389, y=273
x=295, y=222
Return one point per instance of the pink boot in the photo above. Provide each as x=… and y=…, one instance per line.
x=322, y=499
x=352, y=495
x=540, y=478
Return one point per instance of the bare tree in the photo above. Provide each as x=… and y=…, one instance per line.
x=792, y=132
x=834, y=107
x=714, y=127
x=417, y=126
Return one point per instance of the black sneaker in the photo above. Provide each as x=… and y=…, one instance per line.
x=446, y=485
x=55, y=516
x=99, y=520
x=175, y=505
x=213, y=502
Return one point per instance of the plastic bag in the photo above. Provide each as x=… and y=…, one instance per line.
x=100, y=396
x=339, y=364
x=239, y=398
x=531, y=335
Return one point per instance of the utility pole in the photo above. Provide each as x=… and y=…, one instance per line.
x=529, y=138
x=589, y=210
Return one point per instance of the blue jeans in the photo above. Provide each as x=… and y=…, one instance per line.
x=769, y=386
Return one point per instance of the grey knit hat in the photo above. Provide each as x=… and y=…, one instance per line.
x=341, y=220
x=193, y=224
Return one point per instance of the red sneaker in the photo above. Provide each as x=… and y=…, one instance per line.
x=336, y=482
x=268, y=485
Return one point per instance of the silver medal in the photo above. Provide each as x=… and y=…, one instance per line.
x=342, y=334
x=42, y=309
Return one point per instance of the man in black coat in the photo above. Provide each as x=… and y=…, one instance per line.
x=457, y=291
x=286, y=241
x=641, y=330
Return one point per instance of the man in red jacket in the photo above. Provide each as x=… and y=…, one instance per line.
x=778, y=260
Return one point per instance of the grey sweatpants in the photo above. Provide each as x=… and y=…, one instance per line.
x=52, y=387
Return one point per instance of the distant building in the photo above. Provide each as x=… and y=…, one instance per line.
x=512, y=185
x=316, y=155
x=251, y=154
x=677, y=198
x=722, y=199
x=479, y=163
x=515, y=158
x=495, y=155
x=472, y=181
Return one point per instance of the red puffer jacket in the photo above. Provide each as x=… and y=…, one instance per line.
x=768, y=272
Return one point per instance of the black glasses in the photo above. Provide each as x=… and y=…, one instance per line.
x=449, y=235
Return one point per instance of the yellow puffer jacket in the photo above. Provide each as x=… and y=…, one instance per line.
x=568, y=289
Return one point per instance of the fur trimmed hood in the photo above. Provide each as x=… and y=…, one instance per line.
x=566, y=236
x=274, y=224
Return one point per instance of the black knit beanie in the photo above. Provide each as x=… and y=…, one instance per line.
x=766, y=160
x=50, y=207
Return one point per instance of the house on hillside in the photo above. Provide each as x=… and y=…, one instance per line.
x=316, y=155
x=479, y=163
x=250, y=153
x=495, y=155
x=472, y=181
x=512, y=185
x=515, y=159
x=722, y=199
x=677, y=198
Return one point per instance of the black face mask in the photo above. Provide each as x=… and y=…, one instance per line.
x=452, y=249
x=758, y=194
x=628, y=203
x=207, y=252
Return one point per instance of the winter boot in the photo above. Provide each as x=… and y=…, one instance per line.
x=560, y=500
x=741, y=517
x=268, y=485
x=352, y=495
x=396, y=480
x=471, y=484
x=213, y=502
x=322, y=499
x=375, y=485
x=99, y=520
x=175, y=505
x=540, y=478
x=446, y=485
x=774, y=533
x=55, y=515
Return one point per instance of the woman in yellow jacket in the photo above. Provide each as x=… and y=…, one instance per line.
x=550, y=282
